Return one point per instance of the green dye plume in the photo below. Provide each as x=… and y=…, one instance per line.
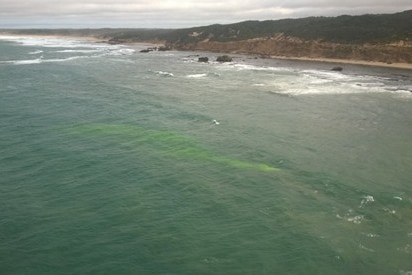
x=166, y=142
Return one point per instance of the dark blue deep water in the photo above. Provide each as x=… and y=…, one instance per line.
x=111, y=163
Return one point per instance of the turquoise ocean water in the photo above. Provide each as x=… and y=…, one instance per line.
x=110, y=163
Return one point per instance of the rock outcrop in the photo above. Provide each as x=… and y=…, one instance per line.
x=224, y=58
x=203, y=59
x=285, y=46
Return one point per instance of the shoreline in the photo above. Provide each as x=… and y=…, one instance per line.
x=405, y=66
x=53, y=36
x=336, y=61
x=92, y=39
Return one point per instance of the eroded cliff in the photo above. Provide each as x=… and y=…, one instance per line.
x=286, y=46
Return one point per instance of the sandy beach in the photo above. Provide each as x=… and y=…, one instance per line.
x=407, y=66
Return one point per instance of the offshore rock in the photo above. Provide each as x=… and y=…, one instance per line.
x=224, y=58
x=203, y=59
x=163, y=48
x=153, y=49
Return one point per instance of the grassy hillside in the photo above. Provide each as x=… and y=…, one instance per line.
x=374, y=29
x=342, y=29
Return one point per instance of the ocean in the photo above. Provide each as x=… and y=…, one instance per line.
x=114, y=161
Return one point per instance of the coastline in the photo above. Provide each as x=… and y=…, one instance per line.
x=138, y=45
x=407, y=66
x=4, y=35
x=92, y=39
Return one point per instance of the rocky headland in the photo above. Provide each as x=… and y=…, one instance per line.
x=381, y=39
x=284, y=46
x=378, y=39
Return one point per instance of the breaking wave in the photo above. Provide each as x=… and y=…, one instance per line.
x=62, y=49
x=196, y=75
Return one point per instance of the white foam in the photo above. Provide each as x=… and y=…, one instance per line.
x=51, y=42
x=316, y=80
x=390, y=211
x=291, y=81
x=371, y=235
x=64, y=59
x=26, y=62
x=356, y=219
x=121, y=51
x=329, y=82
x=166, y=74
x=241, y=67
x=78, y=51
x=40, y=60
x=196, y=75
x=70, y=45
x=365, y=200
x=248, y=67
x=36, y=52
x=314, y=90
x=326, y=75
x=366, y=248
x=306, y=84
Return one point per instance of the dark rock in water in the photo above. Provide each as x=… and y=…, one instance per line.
x=224, y=58
x=153, y=49
x=163, y=49
x=337, y=69
x=203, y=59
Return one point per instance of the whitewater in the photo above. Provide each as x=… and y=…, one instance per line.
x=114, y=161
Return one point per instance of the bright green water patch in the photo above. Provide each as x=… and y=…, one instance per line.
x=166, y=142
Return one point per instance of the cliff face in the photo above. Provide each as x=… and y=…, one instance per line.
x=380, y=37
x=285, y=46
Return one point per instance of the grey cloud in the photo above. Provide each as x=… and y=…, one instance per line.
x=179, y=13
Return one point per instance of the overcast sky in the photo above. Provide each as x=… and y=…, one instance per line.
x=176, y=13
